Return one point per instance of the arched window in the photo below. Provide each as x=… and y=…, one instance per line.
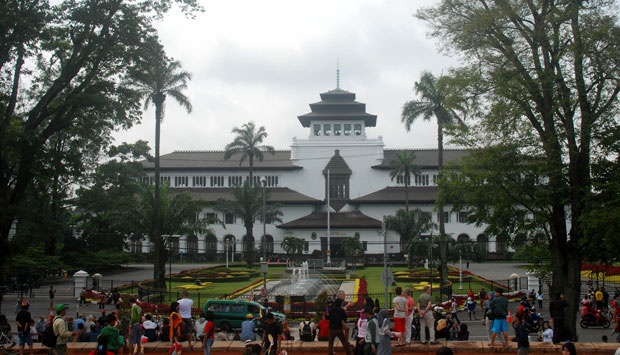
x=482, y=245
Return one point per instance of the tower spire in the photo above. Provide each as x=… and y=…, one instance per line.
x=338, y=73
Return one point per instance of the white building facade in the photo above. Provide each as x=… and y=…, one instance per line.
x=339, y=163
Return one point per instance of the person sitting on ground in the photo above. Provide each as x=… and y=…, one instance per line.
x=164, y=335
x=307, y=329
x=150, y=328
x=102, y=347
x=323, y=327
x=547, y=333
x=110, y=331
x=463, y=333
x=247, y=328
x=286, y=332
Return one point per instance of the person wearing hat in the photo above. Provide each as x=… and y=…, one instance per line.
x=24, y=321
x=247, y=328
x=61, y=329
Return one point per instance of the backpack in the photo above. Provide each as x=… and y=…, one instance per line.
x=49, y=337
x=306, y=332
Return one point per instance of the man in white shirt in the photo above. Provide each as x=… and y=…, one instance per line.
x=185, y=310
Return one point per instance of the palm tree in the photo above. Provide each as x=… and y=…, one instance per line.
x=434, y=102
x=162, y=78
x=248, y=143
x=409, y=225
x=248, y=205
x=403, y=166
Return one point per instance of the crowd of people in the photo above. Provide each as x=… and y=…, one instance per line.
x=375, y=331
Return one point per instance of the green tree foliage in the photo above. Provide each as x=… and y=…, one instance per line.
x=410, y=225
x=293, y=245
x=435, y=102
x=248, y=205
x=543, y=80
x=160, y=78
x=354, y=248
x=110, y=188
x=61, y=80
x=248, y=143
x=403, y=166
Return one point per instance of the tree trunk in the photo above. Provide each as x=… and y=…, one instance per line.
x=248, y=245
x=443, y=238
x=159, y=270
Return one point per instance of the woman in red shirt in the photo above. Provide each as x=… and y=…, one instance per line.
x=209, y=330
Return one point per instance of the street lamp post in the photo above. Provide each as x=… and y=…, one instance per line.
x=226, y=251
x=460, y=269
x=263, y=181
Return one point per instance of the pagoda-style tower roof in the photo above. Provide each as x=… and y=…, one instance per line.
x=338, y=105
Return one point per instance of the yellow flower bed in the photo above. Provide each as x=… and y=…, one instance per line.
x=195, y=287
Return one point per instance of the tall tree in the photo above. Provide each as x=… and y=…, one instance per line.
x=248, y=144
x=434, y=102
x=409, y=225
x=77, y=52
x=403, y=167
x=160, y=78
x=546, y=80
x=248, y=205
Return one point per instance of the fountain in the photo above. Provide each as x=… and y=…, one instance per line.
x=300, y=283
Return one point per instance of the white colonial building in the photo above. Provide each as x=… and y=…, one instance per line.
x=338, y=157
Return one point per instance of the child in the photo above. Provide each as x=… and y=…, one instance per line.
x=177, y=346
x=547, y=333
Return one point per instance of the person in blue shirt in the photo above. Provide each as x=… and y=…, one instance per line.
x=247, y=328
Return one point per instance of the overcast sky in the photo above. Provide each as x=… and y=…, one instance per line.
x=267, y=60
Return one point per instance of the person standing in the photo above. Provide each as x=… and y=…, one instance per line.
x=454, y=309
x=371, y=341
x=539, y=297
x=185, y=309
x=400, y=315
x=176, y=322
x=427, y=321
x=556, y=310
x=61, y=330
x=24, y=321
x=521, y=336
x=409, y=319
x=135, y=329
x=337, y=321
x=52, y=294
x=499, y=306
x=385, y=333
x=272, y=335
x=209, y=332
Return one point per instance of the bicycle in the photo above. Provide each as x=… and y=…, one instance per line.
x=8, y=344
